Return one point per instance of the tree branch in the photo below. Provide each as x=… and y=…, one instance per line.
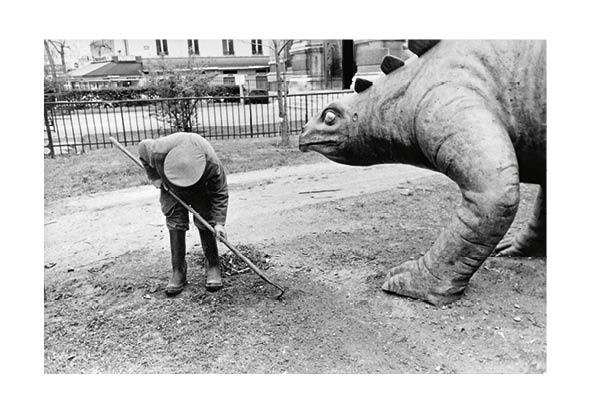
x=54, y=46
x=284, y=45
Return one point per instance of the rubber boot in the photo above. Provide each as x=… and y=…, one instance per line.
x=213, y=272
x=178, y=280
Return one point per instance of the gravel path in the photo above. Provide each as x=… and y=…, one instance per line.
x=87, y=229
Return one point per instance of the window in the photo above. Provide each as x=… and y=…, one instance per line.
x=161, y=47
x=193, y=46
x=228, y=47
x=257, y=46
x=262, y=82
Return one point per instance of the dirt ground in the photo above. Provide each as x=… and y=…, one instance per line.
x=325, y=232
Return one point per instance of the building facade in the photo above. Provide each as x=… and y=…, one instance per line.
x=318, y=65
x=309, y=65
x=230, y=61
x=335, y=64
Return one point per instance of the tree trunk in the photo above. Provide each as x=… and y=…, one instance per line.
x=281, y=98
x=51, y=61
x=63, y=57
x=285, y=124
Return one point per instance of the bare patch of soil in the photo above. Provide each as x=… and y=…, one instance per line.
x=113, y=316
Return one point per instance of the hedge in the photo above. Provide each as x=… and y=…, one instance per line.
x=131, y=93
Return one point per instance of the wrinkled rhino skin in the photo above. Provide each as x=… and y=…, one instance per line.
x=472, y=110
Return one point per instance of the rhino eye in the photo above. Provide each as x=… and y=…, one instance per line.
x=329, y=117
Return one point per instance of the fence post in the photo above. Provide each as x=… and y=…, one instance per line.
x=123, y=124
x=250, y=112
x=306, y=97
x=48, y=129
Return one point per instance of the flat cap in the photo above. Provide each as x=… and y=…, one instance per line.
x=184, y=165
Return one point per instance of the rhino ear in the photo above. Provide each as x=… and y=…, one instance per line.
x=420, y=47
x=361, y=85
x=390, y=64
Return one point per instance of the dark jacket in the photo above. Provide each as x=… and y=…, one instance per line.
x=211, y=190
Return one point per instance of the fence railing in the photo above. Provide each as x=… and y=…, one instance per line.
x=76, y=127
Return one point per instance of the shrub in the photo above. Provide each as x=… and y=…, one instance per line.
x=136, y=93
x=174, y=83
x=111, y=94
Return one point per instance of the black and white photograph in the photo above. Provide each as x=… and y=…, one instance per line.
x=248, y=210
x=358, y=206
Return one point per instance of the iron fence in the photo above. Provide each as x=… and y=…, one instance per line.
x=76, y=127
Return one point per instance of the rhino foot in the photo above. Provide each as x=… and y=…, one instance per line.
x=413, y=279
x=523, y=247
x=531, y=240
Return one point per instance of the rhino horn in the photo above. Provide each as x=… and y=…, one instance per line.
x=390, y=64
x=361, y=85
x=420, y=47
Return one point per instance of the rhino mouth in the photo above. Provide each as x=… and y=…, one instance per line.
x=317, y=145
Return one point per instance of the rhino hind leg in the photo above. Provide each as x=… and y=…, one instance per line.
x=531, y=241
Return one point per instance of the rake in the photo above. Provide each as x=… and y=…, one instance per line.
x=206, y=224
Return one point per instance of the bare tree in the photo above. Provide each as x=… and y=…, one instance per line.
x=281, y=47
x=50, y=60
x=182, y=83
x=60, y=47
x=101, y=44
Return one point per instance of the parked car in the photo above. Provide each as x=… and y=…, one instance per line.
x=258, y=96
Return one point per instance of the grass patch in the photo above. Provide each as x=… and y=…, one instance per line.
x=109, y=169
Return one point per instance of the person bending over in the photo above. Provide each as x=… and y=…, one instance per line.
x=187, y=164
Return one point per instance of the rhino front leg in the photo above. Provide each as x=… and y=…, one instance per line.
x=478, y=155
x=531, y=241
x=442, y=274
